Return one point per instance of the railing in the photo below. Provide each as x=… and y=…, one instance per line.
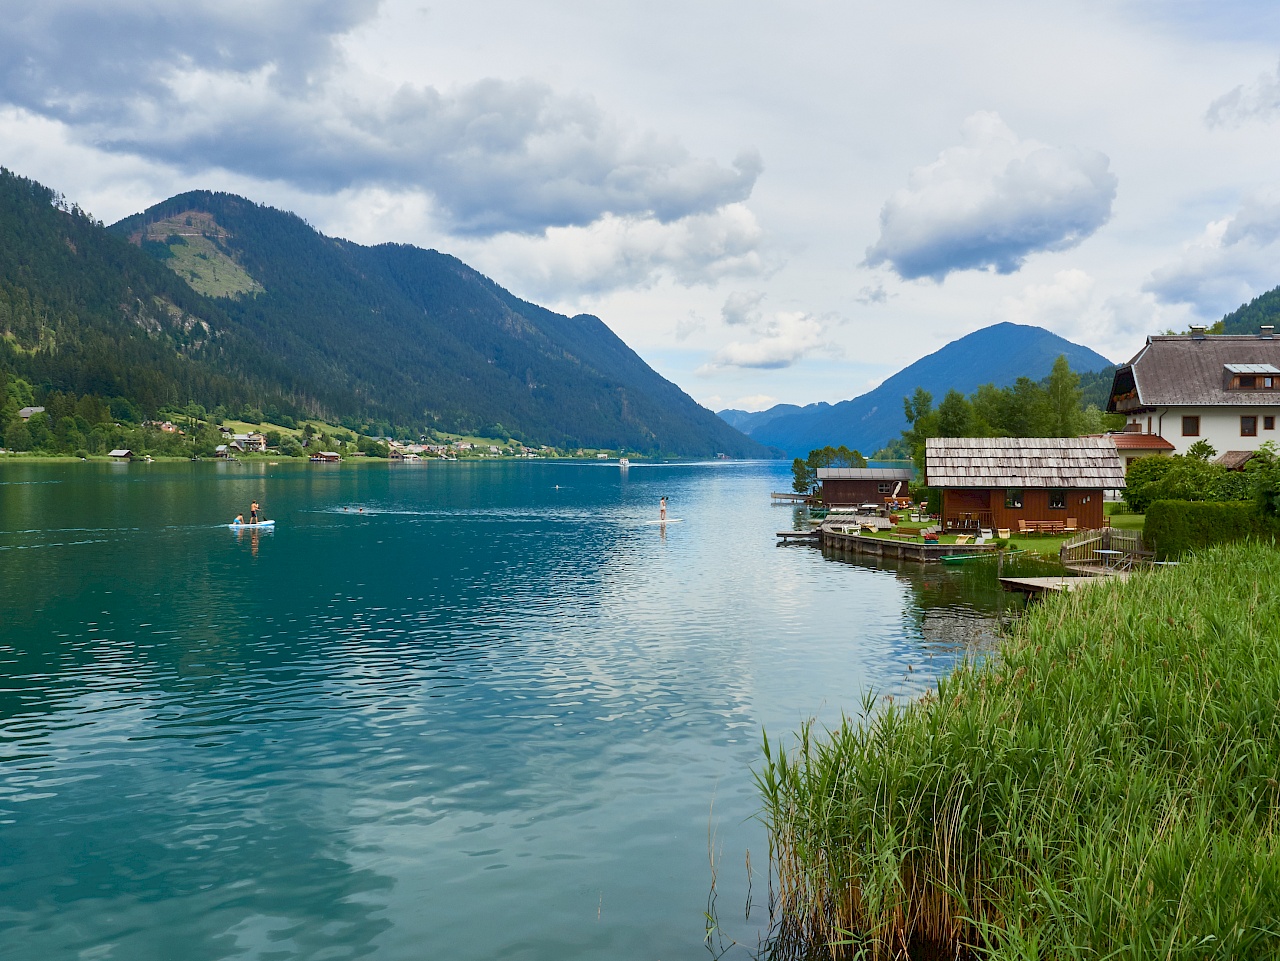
x=968, y=520
x=1083, y=548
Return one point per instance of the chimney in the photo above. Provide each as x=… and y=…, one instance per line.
x=1267, y=331
x=1197, y=331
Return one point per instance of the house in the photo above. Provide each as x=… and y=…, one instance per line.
x=1132, y=444
x=221, y=451
x=850, y=486
x=995, y=482
x=28, y=412
x=326, y=457
x=1235, y=459
x=255, y=442
x=122, y=454
x=1222, y=388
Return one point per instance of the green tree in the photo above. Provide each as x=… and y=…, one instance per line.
x=1201, y=450
x=1263, y=471
x=1062, y=399
x=955, y=415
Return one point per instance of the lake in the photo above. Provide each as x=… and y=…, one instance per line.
x=463, y=710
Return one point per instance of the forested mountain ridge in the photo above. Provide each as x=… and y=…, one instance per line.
x=246, y=306
x=414, y=335
x=999, y=355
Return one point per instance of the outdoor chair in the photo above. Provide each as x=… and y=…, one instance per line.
x=1071, y=525
x=963, y=538
x=1003, y=533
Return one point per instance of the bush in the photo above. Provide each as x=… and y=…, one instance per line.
x=1152, y=479
x=1173, y=527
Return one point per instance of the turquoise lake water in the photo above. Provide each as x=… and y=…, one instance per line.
x=444, y=710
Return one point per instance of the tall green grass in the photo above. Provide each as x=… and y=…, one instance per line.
x=1104, y=788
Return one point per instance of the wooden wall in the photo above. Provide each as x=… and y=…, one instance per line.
x=1084, y=505
x=848, y=493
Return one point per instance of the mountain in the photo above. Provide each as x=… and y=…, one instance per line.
x=748, y=420
x=209, y=297
x=998, y=354
x=1246, y=319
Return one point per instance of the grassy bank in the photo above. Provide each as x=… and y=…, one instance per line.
x=1105, y=788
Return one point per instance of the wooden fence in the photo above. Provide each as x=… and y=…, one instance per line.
x=1082, y=549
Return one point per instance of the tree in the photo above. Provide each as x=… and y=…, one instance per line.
x=955, y=415
x=1263, y=471
x=1201, y=450
x=804, y=473
x=1062, y=399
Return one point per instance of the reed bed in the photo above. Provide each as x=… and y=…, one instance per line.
x=1104, y=788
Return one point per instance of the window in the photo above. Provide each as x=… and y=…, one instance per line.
x=884, y=488
x=1247, y=382
x=1058, y=500
x=1249, y=426
x=1191, y=427
x=1268, y=423
x=1013, y=498
x=1268, y=382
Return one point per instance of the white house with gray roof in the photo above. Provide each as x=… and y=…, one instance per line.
x=1223, y=388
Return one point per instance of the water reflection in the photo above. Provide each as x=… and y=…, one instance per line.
x=433, y=696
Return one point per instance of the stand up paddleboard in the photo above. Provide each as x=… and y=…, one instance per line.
x=669, y=520
x=250, y=527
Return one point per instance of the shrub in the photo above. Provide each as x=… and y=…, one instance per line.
x=1152, y=479
x=1173, y=527
x=1105, y=787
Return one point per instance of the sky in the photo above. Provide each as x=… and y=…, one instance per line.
x=770, y=203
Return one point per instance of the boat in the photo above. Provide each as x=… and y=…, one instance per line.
x=959, y=558
x=623, y=462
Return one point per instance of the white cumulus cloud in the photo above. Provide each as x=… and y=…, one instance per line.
x=990, y=202
x=1232, y=261
x=615, y=252
x=783, y=339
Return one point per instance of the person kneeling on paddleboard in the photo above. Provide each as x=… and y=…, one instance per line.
x=239, y=519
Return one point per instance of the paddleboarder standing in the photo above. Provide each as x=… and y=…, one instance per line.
x=253, y=513
x=662, y=509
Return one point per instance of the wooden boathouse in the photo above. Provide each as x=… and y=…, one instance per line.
x=851, y=486
x=1048, y=482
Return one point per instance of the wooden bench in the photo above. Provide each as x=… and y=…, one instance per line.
x=1041, y=527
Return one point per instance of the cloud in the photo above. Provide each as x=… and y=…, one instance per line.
x=755, y=402
x=689, y=325
x=616, y=252
x=1071, y=305
x=742, y=308
x=1258, y=101
x=870, y=296
x=260, y=88
x=1232, y=261
x=990, y=202
x=783, y=340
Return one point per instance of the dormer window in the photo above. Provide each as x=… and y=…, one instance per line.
x=1250, y=376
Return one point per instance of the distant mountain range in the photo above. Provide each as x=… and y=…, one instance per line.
x=211, y=298
x=998, y=354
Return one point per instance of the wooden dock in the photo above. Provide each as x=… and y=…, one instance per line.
x=798, y=537
x=1060, y=584
x=866, y=545
x=779, y=497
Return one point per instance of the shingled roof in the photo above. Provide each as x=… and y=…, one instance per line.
x=1088, y=463
x=865, y=473
x=1187, y=370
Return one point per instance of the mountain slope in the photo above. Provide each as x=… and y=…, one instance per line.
x=1246, y=319
x=998, y=355
x=405, y=335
